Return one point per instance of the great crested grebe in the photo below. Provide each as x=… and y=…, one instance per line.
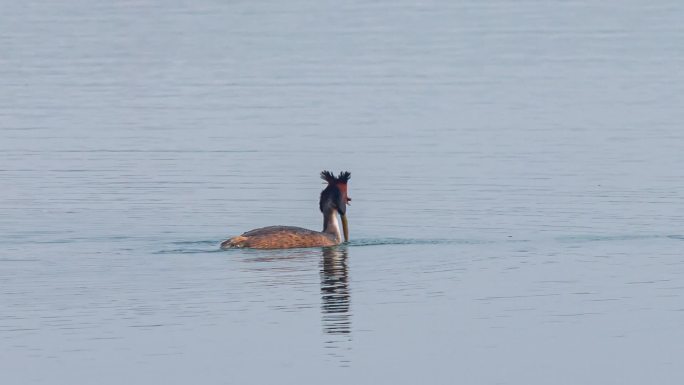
x=333, y=200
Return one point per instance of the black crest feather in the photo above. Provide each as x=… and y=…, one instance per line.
x=331, y=179
x=328, y=177
x=344, y=177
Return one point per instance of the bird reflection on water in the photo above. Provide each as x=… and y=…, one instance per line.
x=335, y=299
x=289, y=268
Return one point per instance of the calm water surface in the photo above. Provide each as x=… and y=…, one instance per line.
x=517, y=182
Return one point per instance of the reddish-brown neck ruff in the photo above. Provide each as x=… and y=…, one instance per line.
x=343, y=190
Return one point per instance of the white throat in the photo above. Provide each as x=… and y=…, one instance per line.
x=333, y=226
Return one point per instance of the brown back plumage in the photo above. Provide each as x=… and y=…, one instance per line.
x=280, y=237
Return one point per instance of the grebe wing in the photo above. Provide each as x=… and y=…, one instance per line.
x=270, y=230
x=280, y=237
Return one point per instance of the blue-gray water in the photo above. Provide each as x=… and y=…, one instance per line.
x=517, y=183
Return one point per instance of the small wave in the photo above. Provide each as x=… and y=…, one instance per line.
x=212, y=246
x=202, y=242
x=618, y=237
x=414, y=241
x=190, y=246
x=209, y=246
x=189, y=251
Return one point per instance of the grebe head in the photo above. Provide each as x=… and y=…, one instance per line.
x=334, y=197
